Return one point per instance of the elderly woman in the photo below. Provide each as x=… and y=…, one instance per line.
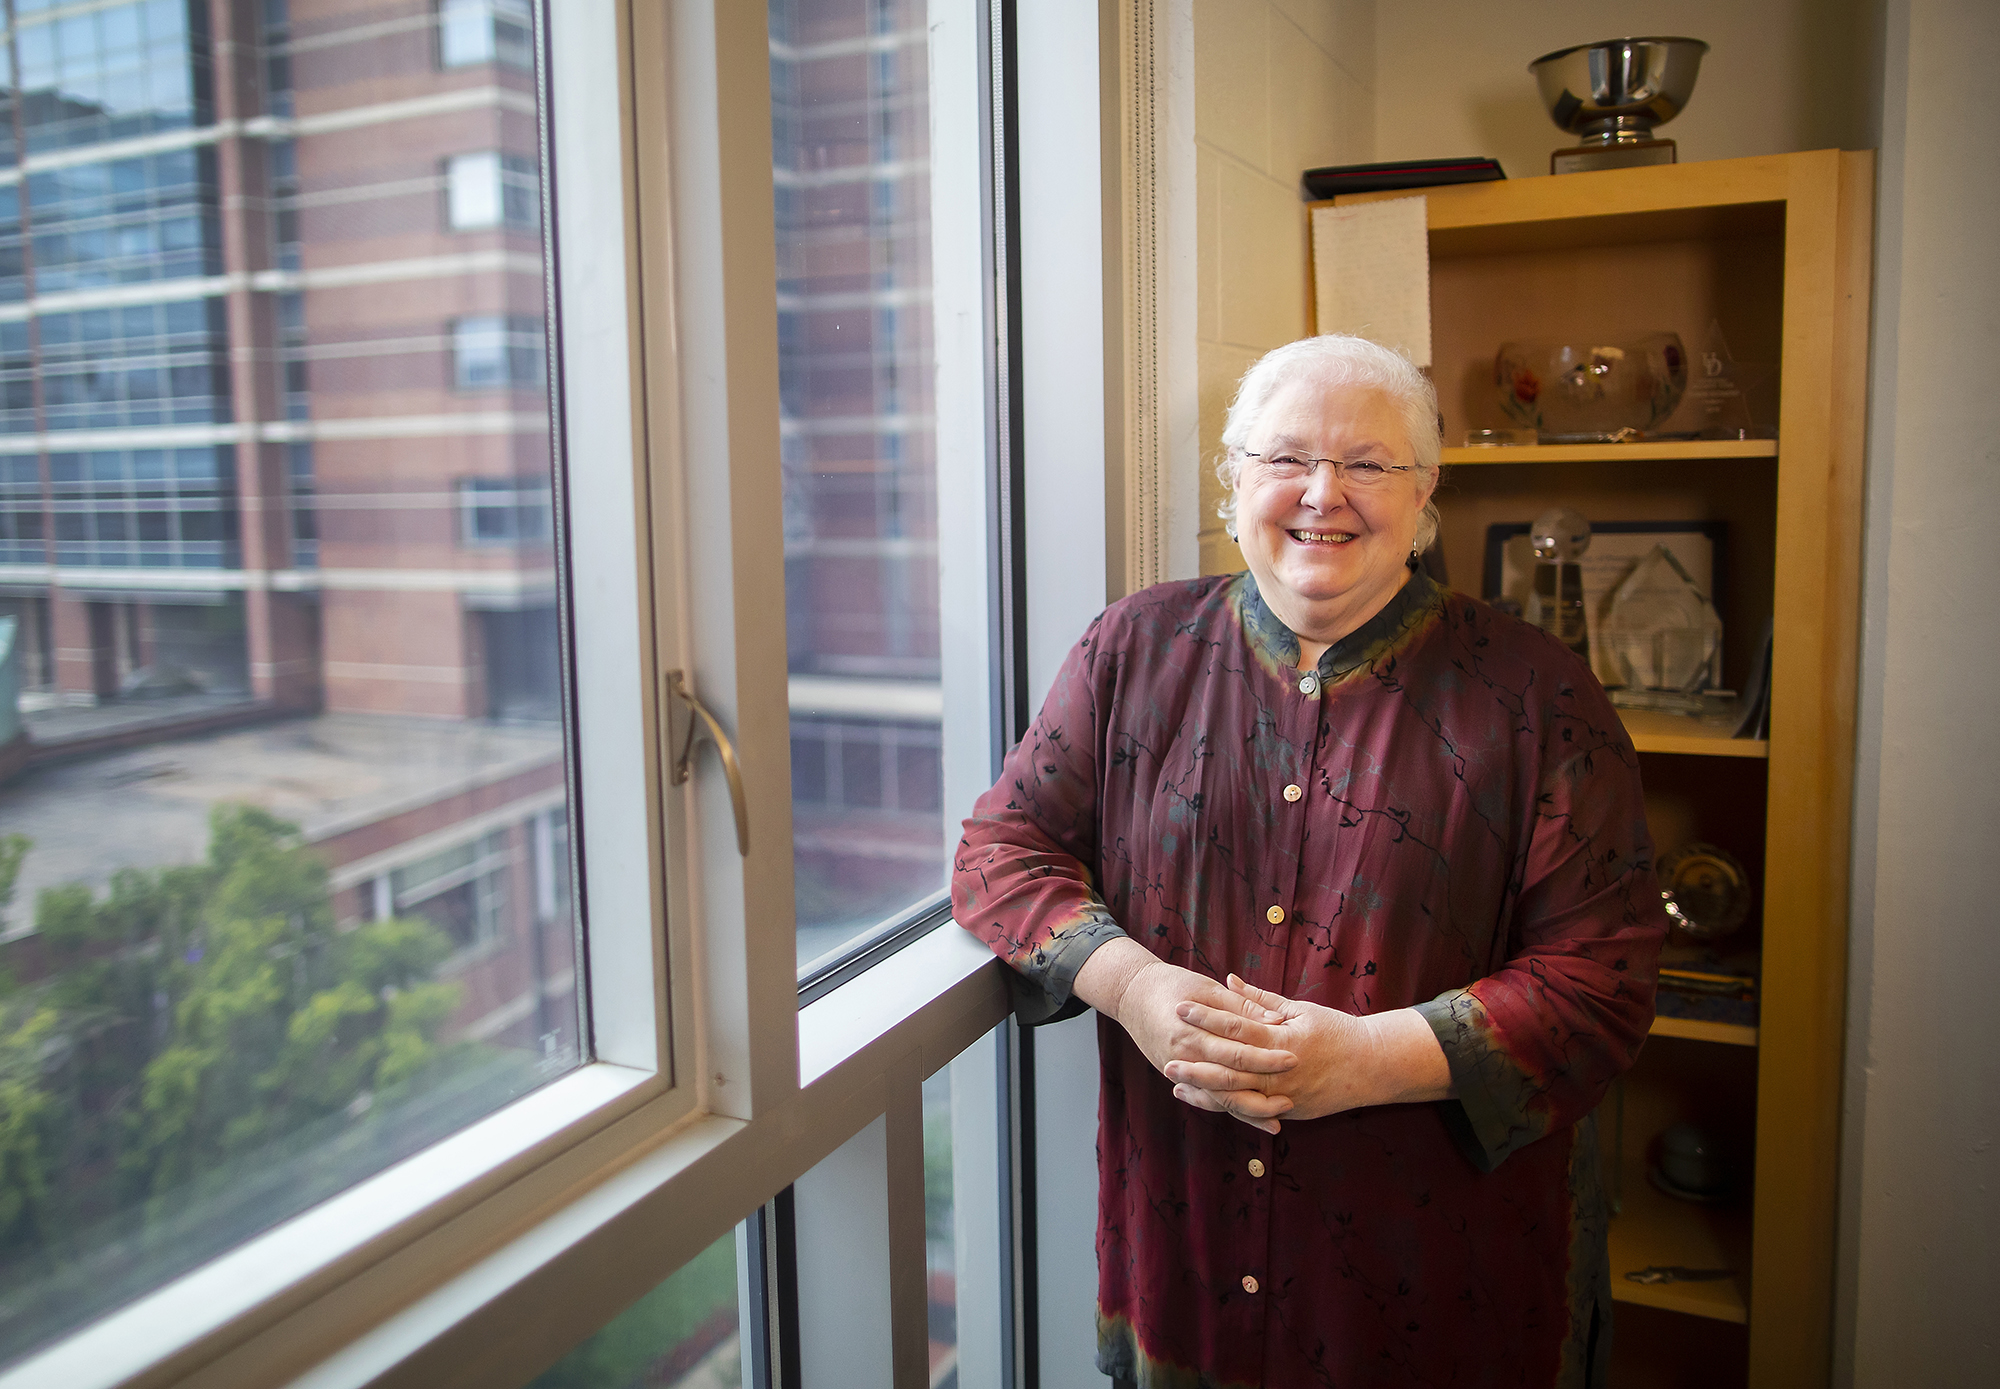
x=1355, y=872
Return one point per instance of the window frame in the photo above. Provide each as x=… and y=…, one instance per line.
x=404, y=1227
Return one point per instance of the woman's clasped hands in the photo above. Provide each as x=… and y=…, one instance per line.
x=1326, y=1057
x=1240, y=1050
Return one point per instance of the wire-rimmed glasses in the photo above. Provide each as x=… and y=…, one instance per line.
x=1351, y=472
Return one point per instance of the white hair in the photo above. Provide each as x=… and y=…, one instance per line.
x=1334, y=361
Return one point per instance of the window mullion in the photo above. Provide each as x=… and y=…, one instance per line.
x=701, y=79
x=613, y=548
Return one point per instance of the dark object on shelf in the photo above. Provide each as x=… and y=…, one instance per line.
x=1696, y=1007
x=1612, y=93
x=1706, y=891
x=1690, y=981
x=1692, y=1165
x=1678, y=1273
x=1336, y=179
x=1666, y=1186
x=1756, y=720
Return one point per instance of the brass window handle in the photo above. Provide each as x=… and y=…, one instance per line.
x=678, y=686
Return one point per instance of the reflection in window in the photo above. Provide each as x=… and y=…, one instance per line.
x=504, y=511
x=150, y=507
x=490, y=189
x=485, y=31
x=150, y=217
x=115, y=368
x=850, y=161
x=309, y=910
x=97, y=73
x=22, y=511
x=305, y=517
x=282, y=164
x=489, y=351
x=681, y=1335
x=462, y=890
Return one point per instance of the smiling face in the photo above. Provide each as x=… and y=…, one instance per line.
x=1327, y=555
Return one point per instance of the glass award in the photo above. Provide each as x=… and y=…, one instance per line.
x=1660, y=631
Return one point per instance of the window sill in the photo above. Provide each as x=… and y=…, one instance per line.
x=915, y=994
x=462, y=1263
x=199, y=1316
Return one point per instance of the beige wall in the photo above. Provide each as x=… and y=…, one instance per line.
x=1280, y=86
x=1921, y=1156
x=1452, y=78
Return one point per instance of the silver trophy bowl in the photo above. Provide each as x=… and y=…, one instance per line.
x=1615, y=92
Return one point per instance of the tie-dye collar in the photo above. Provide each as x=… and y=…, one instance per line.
x=1277, y=646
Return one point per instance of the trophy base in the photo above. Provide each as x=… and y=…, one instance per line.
x=1580, y=159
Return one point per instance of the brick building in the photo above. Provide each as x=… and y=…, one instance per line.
x=273, y=405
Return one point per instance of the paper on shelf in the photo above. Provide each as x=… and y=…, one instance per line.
x=1372, y=274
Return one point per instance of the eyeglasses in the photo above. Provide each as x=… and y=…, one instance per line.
x=1358, y=473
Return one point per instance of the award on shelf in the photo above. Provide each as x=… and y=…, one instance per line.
x=1612, y=94
x=1705, y=890
x=1717, y=396
x=1555, y=600
x=1661, y=633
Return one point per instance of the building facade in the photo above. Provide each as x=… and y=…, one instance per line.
x=273, y=421
x=273, y=389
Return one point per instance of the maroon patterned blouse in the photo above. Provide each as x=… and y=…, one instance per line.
x=1467, y=837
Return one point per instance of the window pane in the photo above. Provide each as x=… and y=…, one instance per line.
x=289, y=897
x=681, y=1335
x=940, y=1268
x=850, y=128
x=472, y=187
x=465, y=32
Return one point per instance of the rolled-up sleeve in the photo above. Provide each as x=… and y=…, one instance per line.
x=1534, y=1045
x=1021, y=879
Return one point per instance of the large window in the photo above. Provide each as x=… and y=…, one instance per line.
x=402, y=959
x=296, y=903
x=850, y=131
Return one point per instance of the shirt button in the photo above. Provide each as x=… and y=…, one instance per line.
x=1292, y=793
x=1256, y=1167
x=1275, y=915
x=1308, y=683
x=1249, y=1284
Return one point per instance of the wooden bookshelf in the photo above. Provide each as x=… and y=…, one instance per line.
x=1653, y=730
x=1653, y=1229
x=1694, y=1029
x=1644, y=451
x=1776, y=249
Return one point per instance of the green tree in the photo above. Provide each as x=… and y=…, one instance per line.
x=193, y=1014
x=26, y=1108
